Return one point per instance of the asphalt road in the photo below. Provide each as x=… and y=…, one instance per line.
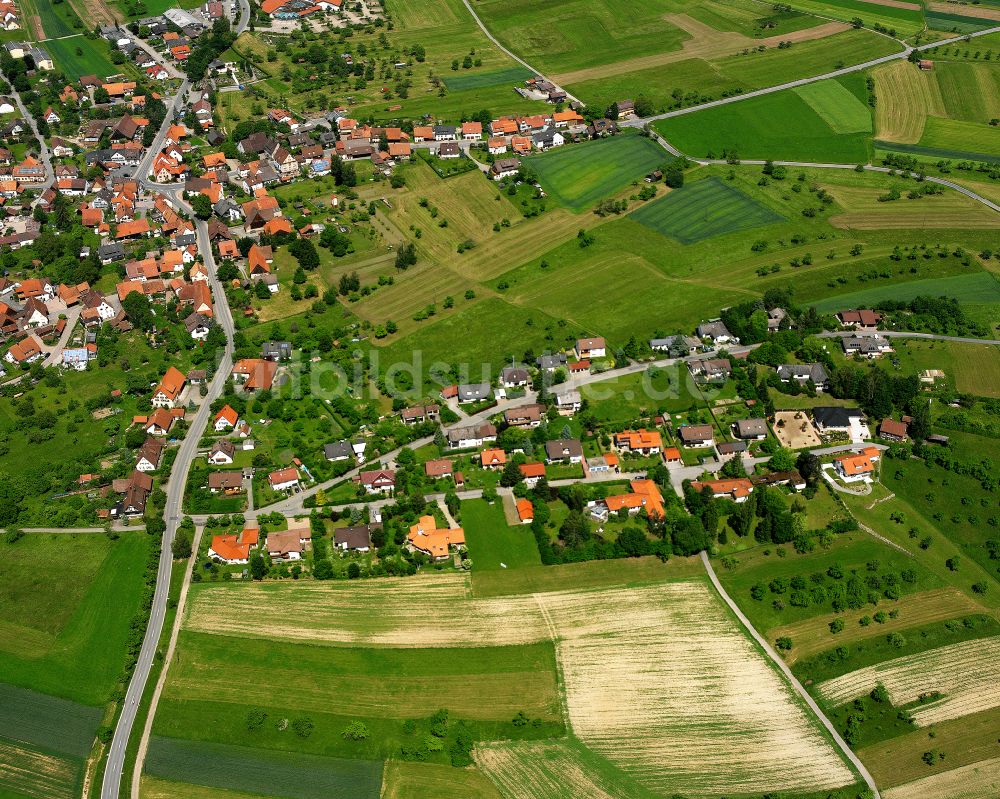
x=905, y=334
x=43, y=149
x=175, y=491
x=853, y=758
x=904, y=53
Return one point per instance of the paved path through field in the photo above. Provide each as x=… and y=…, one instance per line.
x=769, y=650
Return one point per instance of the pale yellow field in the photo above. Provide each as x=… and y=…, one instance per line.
x=976, y=781
x=650, y=672
x=549, y=769
x=434, y=611
x=405, y=780
x=906, y=95
x=155, y=788
x=950, y=210
x=967, y=674
x=32, y=773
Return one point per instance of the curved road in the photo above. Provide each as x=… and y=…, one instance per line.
x=906, y=334
x=848, y=753
x=175, y=488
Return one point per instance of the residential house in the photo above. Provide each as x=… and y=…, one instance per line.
x=524, y=416
x=225, y=419
x=568, y=402
x=222, y=453
x=225, y=482
x=438, y=468
x=471, y=436
x=697, y=435
x=590, y=348
x=377, y=481
x=711, y=370
x=284, y=479
x=357, y=538
x=643, y=442
x=751, y=429
x=891, y=430
x=738, y=490
x=716, y=332
x=563, y=450
x=532, y=473
x=427, y=538
x=864, y=319
x=420, y=414
x=168, y=392
x=802, y=373
x=857, y=467
x=276, y=350
x=474, y=392
x=866, y=346
x=339, y=451
x=504, y=167
x=514, y=377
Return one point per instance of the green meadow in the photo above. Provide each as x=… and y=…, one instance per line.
x=580, y=176
x=953, y=134
x=59, y=634
x=704, y=209
x=479, y=80
x=492, y=543
x=837, y=106
x=976, y=288
x=782, y=125
x=91, y=60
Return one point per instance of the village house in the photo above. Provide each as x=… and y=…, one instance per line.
x=288, y=544
x=802, y=373
x=149, y=454
x=716, y=331
x=697, y=435
x=228, y=483
x=420, y=414
x=338, y=451
x=494, y=459
x=378, y=481
x=425, y=537
x=590, y=348
x=866, y=346
x=222, y=452
x=860, y=320
x=858, y=467
x=532, y=473
x=738, y=490
x=474, y=392
x=438, y=468
x=284, y=479
x=357, y=538
x=234, y=549
x=712, y=370
x=568, y=402
x=563, y=450
x=891, y=430
x=643, y=442
x=751, y=429
x=168, y=392
x=524, y=415
x=225, y=419
x=471, y=436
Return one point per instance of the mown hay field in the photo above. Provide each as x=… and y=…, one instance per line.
x=156, y=788
x=975, y=781
x=28, y=772
x=478, y=80
x=906, y=95
x=404, y=780
x=261, y=771
x=837, y=106
x=704, y=209
x=579, y=176
x=967, y=674
x=951, y=210
x=562, y=769
x=656, y=670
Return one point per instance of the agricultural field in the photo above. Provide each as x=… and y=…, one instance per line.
x=905, y=18
x=975, y=288
x=950, y=210
x=68, y=642
x=77, y=56
x=579, y=176
x=976, y=781
x=262, y=772
x=403, y=780
x=964, y=674
x=58, y=19
x=702, y=210
x=517, y=653
x=761, y=127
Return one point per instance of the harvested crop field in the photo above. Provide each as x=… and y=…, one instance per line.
x=552, y=770
x=655, y=670
x=377, y=613
x=26, y=772
x=403, y=780
x=976, y=781
x=966, y=674
x=702, y=210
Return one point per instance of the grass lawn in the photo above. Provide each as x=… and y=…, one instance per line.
x=704, y=209
x=492, y=544
x=59, y=634
x=92, y=60
x=580, y=175
x=623, y=399
x=782, y=126
x=277, y=774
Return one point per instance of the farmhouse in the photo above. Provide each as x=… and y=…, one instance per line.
x=169, y=390
x=149, y=454
x=427, y=538
x=891, y=430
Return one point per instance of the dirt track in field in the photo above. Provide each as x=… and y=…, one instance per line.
x=705, y=42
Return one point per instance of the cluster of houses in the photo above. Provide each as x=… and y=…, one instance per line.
x=10, y=19
x=281, y=545
x=38, y=55
x=298, y=9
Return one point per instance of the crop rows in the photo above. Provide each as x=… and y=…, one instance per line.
x=654, y=671
x=966, y=674
x=25, y=772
